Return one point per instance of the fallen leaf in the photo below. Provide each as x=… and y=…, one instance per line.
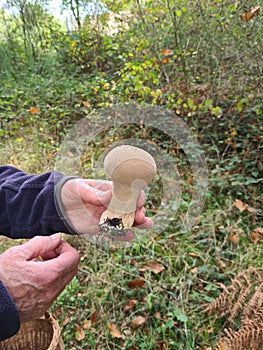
x=254, y=236
x=166, y=60
x=247, y=16
x=138, y=321
x=66, y=321
x=194, y=270
x=233, y=237
x=167, y=52
x=86, y=104
x=34, y=110
x=94, y=317
x=251, y=209
x=130, y=304
x=259, y=230
x=136, y=283
x=240, y=205
x=79, y=334
x=194, y=255
x=157, y=315
x=114, y=331
x=152, y=266
x=87, y=324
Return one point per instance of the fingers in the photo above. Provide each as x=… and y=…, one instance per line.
x=145, y=225
x=141, y=200
x=94, y=192
x=67, y=258
x=39, y=246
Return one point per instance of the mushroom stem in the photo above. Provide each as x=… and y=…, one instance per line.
x=131, y=169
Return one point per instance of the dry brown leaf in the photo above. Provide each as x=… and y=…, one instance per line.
x=94, y=317
x=86, y=104
x=138, y=321
x=194, y=270
x=152, y=266
x=233, y=237
x=167, y=52
x=130, y=304
x=114, y=331
x=157, y=315
x=66, y=321
x=136, y=283
x=79, y=334
x=240, y=205
x=166, y=60
x=247, y=16
x=194, y=255
x=34, y=110
x=254, y=236
x=87, y=324
x=259, y=230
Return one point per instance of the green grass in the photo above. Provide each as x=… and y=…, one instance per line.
x=172, y=302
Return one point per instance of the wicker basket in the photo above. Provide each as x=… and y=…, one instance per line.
x=41, y=334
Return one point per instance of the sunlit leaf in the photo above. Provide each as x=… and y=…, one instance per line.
x=86, y=104
x=167, y=52
x=166, y=60
x=34, y=110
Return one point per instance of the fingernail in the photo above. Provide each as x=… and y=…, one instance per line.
x=56, y=236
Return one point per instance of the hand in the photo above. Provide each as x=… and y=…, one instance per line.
x=34, y=283
x=85, y=200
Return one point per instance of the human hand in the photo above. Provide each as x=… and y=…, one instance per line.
x=34, y=283
x=84, y=201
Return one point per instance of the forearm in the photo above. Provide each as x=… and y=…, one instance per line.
x=27, y=204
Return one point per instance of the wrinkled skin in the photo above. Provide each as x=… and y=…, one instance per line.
x=36, y=272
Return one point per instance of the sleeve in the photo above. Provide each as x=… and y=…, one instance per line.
x=9, y=316
x=28, y=204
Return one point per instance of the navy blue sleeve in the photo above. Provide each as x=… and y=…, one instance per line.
x=9, y=317
x=28, y=207
x=27, y=204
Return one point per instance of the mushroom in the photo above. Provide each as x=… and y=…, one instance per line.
x=131, y=169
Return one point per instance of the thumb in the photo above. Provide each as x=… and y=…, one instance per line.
x=39, y=246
